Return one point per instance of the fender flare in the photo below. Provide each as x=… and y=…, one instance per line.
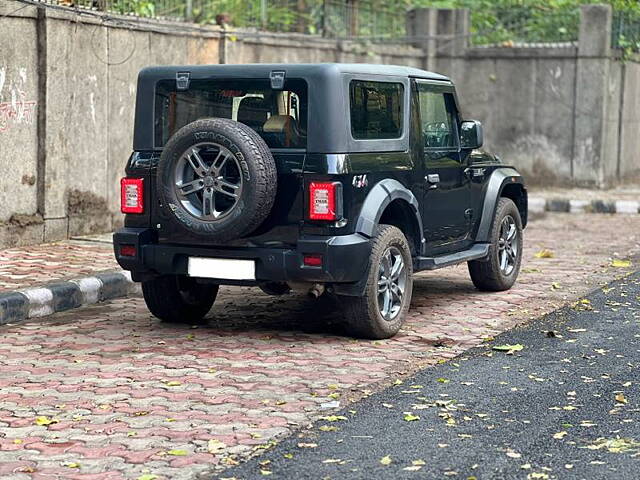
x=499, y=179
x=377, y=200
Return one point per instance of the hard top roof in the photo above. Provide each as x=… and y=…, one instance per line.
x=300, y=69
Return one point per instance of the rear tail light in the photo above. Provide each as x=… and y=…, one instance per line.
x=324, y=200
x=128, y=250
x=131, y=195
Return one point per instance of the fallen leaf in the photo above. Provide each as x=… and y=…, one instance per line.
x=418, y=462
x=307, y=445
x=43, y=421
x=386, y=460
x=544, y=253
x=616, y=262
x=172, y=383
x=147, y=476
x=559, y=435
x=508, y=348
x=413, y=468
x=333, y=418
x=442, y=380
x=332, y=460
x=215, y=446
x=71, y=465
x=328, y=428
x=411, y=418
x=513, y=454
x=620, y=398
x=537, y=476
x=177, y=453
x=266, y=472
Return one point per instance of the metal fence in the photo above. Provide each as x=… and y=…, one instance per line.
x=329, y=18
x=524, y=25
x=626, y=31
x=371, y=19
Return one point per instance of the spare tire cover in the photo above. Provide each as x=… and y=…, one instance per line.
x=217, y=179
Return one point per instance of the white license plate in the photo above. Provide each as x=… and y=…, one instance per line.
x=222, y=268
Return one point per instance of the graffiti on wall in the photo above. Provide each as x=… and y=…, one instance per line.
x=18, y=110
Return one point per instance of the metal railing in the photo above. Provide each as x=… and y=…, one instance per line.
x=524, y=25
x=371, y=19
x=625, y=31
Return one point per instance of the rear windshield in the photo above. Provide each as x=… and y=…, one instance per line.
x=278, y=116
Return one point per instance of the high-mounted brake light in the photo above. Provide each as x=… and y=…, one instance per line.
x=131, y=195
x=323, y=200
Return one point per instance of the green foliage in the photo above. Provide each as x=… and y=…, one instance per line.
x=506, y=21
x=502, y=22
x=140, y=8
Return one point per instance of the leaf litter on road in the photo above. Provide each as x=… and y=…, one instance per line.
x=510, y=349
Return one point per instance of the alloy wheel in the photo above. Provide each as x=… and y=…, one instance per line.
x=508, y=245
x=208, y=181
x=392, y=280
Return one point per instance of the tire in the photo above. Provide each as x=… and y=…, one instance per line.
x=488, y=274
x=364, y=315
x=178, y=299
x=243, y=187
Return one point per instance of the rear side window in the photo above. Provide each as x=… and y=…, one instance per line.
x=278, y=116
x=376, y=110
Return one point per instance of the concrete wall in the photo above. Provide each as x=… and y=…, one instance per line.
x=77, y=75
x=563, y=114
x=525, y=100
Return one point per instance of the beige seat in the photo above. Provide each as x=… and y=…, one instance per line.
x=281, y=131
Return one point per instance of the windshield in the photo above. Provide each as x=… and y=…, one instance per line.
x=278, y=116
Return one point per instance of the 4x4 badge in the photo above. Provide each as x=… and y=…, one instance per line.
x=360, y=181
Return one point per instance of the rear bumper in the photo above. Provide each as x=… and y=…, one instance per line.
x=344, y=258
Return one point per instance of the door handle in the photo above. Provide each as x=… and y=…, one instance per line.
x=432, y=179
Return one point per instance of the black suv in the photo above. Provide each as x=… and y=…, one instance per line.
x=344, y=179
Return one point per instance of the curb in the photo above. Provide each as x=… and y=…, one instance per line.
x=60, y=296
x=626, y=207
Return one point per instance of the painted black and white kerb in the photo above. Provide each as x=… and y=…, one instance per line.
x=539, y=205
x=61, y=296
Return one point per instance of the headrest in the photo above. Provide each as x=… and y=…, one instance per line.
x=278, y=124
x=253, y=111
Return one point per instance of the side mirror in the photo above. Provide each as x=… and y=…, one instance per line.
x=471, y=135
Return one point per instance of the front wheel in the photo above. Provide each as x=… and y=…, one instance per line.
x=178, y=299
x=380, y=312
x=500, y=269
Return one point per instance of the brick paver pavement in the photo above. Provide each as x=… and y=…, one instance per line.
x=107, y=392
x=30, y=266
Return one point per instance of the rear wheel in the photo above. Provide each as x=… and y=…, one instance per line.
x=179, y=299
x=500, y=269
x=381, y=311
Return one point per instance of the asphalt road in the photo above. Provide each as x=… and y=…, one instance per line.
x=566, y=406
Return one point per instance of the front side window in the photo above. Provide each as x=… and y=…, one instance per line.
x=376, y=110
x=278, y=116
x=437, y=118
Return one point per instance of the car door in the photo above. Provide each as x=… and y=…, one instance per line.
x=447, y=195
